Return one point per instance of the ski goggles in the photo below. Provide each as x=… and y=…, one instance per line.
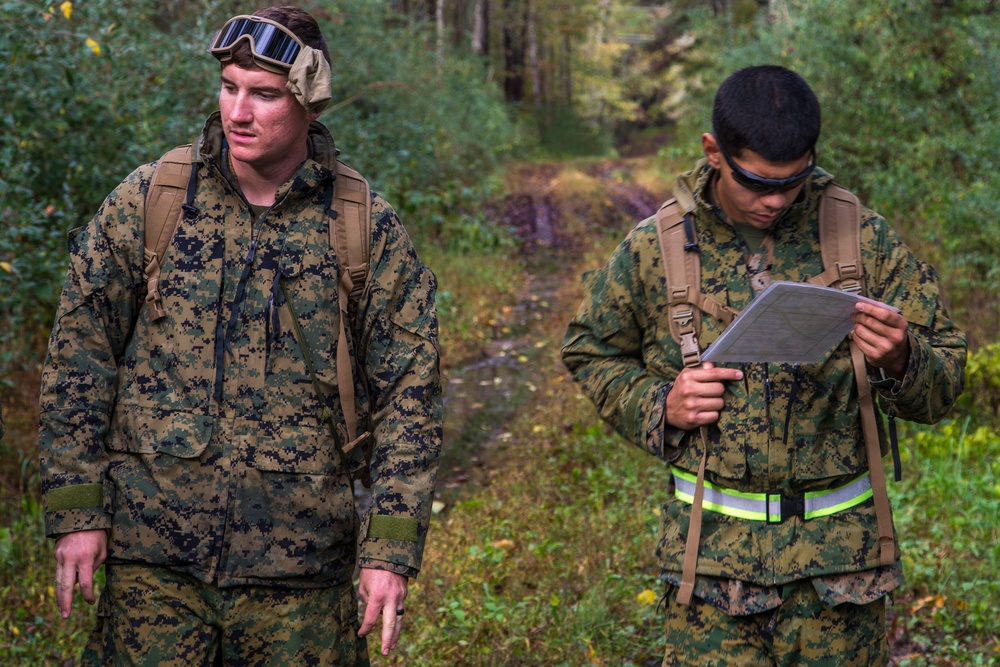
x=274, y=47
x=761, y=184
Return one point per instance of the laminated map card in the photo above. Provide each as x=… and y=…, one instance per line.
x=790, y=323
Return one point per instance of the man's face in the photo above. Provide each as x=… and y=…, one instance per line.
x=265, y=125
x=742, y=204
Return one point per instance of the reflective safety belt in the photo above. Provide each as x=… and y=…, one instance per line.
x=773, y=507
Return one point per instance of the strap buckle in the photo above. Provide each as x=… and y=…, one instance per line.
x=781, y=507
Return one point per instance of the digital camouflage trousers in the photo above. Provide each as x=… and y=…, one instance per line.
x=155, y=616
x=801, y=631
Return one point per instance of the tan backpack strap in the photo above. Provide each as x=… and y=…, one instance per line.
x=350, y=235
x=682, y=265
x=840, y=240
x=170, y=188
x=840, y=245
x=880, y=494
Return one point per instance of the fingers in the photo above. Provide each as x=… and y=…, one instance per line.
x=696, y=398
x=78, y=555
x=392, y=623
x=383, y=593
x=65, y=581
x=371, y=616
x=882, y=336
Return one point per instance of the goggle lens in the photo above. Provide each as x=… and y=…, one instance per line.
x=269, y=41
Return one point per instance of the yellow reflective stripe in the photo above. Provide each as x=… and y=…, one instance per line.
x=759, y=497
x=857, y=500
x=722, y=509
x=740, y=500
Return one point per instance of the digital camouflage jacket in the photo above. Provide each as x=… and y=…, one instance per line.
x=785, y=428
x=197, y=440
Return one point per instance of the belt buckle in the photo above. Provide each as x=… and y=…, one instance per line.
x=787, y=507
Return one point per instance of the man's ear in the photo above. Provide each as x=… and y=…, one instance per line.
x=711, y=150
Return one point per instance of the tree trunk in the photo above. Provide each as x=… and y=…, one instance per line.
x=481, y=28
x=533, y=64
x=513, y=55
x=439, y=20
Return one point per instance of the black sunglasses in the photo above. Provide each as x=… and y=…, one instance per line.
x=752, y=181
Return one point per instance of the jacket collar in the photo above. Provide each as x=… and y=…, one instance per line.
x=322, y=149
x=691, y=190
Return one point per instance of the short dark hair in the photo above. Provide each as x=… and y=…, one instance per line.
x=297, y=20
x=769, y=110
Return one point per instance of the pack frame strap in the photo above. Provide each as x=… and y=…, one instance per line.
x=679, y=254
x=769, y=507
x=840, y=245
x=171, y=190
x=883, y=509
x=351, y=196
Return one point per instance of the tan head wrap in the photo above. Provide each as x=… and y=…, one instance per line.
x=309, y=80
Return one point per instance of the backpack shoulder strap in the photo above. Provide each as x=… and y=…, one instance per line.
x=350, y=236
x=840, y=246
x=678, y=239
x=840, y=240
x=171, y=189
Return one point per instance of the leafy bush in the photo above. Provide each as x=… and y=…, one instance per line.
x=910, y=119
x=981, y=399
x=119, y=83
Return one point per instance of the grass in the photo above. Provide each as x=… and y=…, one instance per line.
x=948, y=517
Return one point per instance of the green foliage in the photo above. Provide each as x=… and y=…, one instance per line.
x=567, y=135
x=947, y=513
x=910, y=119
x=980, y=402
x=93, y=89
x=31, y=633
x=426, y=132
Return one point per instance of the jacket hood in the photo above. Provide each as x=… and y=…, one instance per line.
x=210, y=144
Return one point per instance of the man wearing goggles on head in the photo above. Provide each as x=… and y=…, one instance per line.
x=776, y=546
x=195, y=433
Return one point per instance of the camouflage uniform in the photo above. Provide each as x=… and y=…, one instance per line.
x=197, y=440
x=785, y=428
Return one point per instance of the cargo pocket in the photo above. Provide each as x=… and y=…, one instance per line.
x=294, y=508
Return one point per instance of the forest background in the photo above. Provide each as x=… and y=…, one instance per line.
x=441, y=104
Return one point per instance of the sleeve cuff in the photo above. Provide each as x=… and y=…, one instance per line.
x=662, y=439
x=373, y=564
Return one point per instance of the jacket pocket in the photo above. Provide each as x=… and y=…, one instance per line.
x=293, y=511
x=147, y=430
x=829, y=454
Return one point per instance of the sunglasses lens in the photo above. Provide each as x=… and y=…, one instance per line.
x=770, y=185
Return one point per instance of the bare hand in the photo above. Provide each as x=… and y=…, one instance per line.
x=882, y=336
x=78, y=555
x=696, y=397
x=383, y=593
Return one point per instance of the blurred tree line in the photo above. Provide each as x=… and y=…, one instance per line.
x=431, y=95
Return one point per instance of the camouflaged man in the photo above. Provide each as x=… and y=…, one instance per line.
x=789, y=585
x=191, y=450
